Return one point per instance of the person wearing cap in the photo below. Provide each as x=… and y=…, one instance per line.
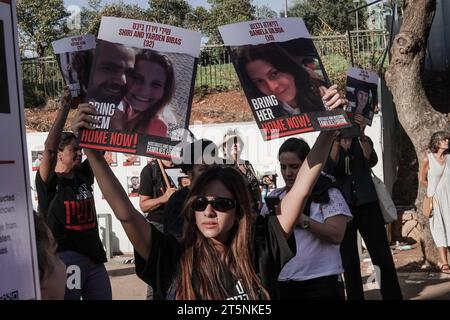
x=232, y=146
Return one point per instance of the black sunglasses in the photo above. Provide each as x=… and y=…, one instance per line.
x=219, y=204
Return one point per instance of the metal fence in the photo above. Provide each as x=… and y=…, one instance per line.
x=42, y=78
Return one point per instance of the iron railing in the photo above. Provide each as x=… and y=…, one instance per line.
x=42, y=78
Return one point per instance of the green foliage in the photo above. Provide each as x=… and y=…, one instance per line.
x=40, y=23
x=224, y=12
x=331, y=13
x=173, y=12
x=218, y=77
x=264, y=12
x=197, y=19
x=91, y=18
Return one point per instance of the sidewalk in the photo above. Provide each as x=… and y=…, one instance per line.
x=416, y=283
x=124, y=282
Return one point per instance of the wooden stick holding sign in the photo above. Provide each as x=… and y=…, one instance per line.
x=167, y=183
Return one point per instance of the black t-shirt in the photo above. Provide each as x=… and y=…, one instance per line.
x=152, y=186
x=173, y=221
x=271, y=252
x=352, y=172
x=69, y=209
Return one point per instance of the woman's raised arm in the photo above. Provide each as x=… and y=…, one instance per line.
x=294, y=202
x=49, y=157
x=135, y=225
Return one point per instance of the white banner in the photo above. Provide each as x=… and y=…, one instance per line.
x=263, y=31
x=74, y=44
x=363, y=75
x=19, y=278
x=150, y=35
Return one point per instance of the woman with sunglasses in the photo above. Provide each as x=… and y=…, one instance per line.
x=226, y=252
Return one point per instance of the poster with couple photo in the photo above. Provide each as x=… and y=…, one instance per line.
x=282, y=76
x=74, y=56
x=362, y=93
x=141, y=85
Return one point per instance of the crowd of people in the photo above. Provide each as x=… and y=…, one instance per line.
x=216, y=237
x=225, y=233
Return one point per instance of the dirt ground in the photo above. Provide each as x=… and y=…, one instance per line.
x=230, y=106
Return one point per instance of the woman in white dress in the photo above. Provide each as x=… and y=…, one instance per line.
x=435, y=176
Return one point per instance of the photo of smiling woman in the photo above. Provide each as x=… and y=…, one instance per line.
x=270, y=70
x=150, y=87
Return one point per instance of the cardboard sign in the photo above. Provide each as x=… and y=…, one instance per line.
x=282, y=76
x=141, y=85
x=362, y=93
x=19, y=278
x=74, y=56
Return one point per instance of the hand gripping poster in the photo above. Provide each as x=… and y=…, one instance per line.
x=282, y=76
x=141, y=84
x=362, y=93
x=74, y=56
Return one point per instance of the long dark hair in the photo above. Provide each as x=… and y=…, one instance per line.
x=201, y=270
x=308, y=100
x=169, y=87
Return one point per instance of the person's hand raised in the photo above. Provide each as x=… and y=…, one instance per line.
x=83, y=118
x=332, y=98
x=66, y=98
x=361, y=122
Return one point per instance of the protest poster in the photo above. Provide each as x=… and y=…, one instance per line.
x=141, y=84
x=36, y=157
x=282, y=76
x=133, y=182
x=111, y=158
x=362, y=93
x=74, y=56
x=19, y=276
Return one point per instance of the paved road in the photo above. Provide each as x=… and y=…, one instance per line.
x=415, y=285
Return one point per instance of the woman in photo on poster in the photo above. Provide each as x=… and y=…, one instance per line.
x=364, y=101
x=268, y=69
x=150, y=87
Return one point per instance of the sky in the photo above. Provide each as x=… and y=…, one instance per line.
x=276, y=5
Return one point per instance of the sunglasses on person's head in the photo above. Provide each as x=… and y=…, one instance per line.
x=219, y=204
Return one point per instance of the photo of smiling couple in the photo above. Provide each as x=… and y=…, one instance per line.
x=136, y=89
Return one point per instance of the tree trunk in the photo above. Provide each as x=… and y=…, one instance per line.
x=414, y=111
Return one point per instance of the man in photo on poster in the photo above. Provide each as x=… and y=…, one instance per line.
x=74, y=55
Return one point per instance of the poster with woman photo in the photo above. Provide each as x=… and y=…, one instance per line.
x=141, y=85
x=282, y=76
x=74, y=56
x=362, y=93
